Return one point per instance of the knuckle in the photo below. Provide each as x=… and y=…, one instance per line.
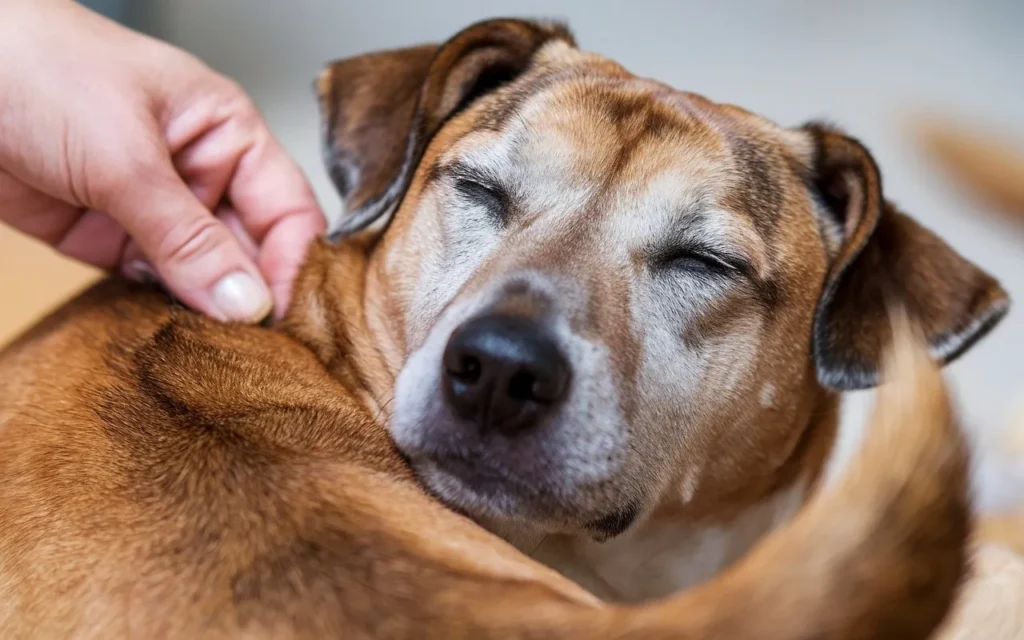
x=241, y=106
x=185, y=243
x=235, y=92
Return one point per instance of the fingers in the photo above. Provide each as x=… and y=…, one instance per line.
x=88, y=236
x=282, y=254
x=209, y=159
x=236, y=158
x=176, y=141
x=277, y=206
x=196, y=255
x=136, y=266
x=234, y=223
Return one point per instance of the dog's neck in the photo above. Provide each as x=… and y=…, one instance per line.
x=342, y=311
x=685, y=541
x=692, y=535
x=330, y=315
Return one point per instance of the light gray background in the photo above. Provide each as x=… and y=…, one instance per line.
x=867, y=65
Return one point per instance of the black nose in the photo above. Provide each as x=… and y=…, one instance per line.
x=504, y=373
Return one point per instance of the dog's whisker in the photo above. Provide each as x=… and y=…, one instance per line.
x=539, y=545
x=383, y=407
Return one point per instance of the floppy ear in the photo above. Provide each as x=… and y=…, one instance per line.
x=380, y=110
x=885, y=257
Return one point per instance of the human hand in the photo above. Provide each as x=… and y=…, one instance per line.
x=126, y=153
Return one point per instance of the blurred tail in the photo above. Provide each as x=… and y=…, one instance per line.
x=986, y=165
x=879, y=555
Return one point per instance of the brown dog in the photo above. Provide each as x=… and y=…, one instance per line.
x=603, y=307
x=612, y=317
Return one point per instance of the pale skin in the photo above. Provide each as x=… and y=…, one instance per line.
x=128, y=154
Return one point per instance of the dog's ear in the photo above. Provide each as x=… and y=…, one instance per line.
x=885, y=257
x=380, y=110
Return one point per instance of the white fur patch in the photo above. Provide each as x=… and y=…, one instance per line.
x=690, y=483
x=660, y=558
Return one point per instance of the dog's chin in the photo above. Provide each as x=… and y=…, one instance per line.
x=486, y=492
x=503, y=502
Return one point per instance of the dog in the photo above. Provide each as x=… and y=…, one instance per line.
x=614, y=317
x=587, y=308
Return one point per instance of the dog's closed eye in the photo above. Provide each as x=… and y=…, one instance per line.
x=493, y=199
x=699, y=260
x=480, y=190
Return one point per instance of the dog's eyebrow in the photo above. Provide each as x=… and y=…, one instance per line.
x=463, y=171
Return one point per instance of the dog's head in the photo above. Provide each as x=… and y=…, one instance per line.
x=601, y=291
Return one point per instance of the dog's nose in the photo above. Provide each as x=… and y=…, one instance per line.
x=504, y=373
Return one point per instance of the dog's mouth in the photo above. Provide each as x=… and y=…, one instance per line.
x=475, y=475
x=478, y=487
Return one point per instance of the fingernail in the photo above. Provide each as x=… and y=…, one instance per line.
x=240, y=297
x=141, y=271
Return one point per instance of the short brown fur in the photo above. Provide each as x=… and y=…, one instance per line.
x=176, y=478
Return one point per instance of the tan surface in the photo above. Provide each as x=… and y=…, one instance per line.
x=33, y=279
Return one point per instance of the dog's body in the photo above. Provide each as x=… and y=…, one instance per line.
x=180, y=479
x=676, y=289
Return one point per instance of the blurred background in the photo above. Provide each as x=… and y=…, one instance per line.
x=870, y=66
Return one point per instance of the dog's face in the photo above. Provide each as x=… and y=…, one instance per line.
x=598, y=286
x=604, y=293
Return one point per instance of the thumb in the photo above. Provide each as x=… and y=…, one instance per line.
x=195, y=254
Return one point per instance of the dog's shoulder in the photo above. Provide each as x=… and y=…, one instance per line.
x=170, y=476
x=132, y=356
x=171, y=452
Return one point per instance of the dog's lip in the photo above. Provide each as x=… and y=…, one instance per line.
x=480, y=485
x=473, y=470
x=483, y=480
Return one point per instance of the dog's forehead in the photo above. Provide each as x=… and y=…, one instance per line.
x=578, y=126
